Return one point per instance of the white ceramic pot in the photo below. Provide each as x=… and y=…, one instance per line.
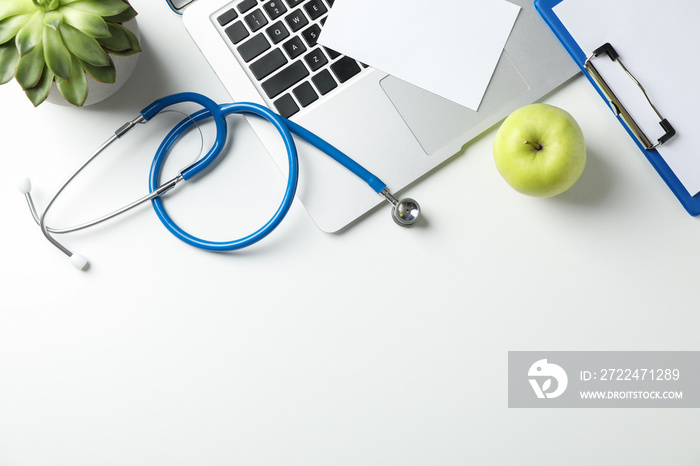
x=97, y=91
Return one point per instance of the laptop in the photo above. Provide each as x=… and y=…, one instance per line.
x=266, y=51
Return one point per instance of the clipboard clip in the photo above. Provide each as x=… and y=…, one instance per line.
x=616, y=104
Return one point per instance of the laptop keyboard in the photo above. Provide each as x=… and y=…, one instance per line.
x=276, y=41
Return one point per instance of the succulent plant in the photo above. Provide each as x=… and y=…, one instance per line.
x=63, y=41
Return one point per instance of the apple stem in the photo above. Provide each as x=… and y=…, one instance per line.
x=534, y=144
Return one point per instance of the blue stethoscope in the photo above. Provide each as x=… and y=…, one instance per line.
x=405, y=212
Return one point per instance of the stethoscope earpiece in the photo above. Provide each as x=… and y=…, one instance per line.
x=79, y=261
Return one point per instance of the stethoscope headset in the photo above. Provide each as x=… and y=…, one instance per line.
x=405, y=212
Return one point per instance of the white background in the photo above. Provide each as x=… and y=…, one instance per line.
x=374, y=346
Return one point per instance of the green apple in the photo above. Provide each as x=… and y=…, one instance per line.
x=539, y=150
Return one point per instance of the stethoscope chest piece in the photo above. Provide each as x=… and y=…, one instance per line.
x=406, y=212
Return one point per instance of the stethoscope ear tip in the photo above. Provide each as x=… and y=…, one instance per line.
x=24, y=186
x=79, y=261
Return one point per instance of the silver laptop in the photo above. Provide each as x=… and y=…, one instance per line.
x=266, y=51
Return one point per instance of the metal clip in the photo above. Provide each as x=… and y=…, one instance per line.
x=128, y=126
x=616, y=104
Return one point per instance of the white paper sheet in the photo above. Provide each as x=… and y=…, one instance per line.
x=448, y=47
x=656, y=42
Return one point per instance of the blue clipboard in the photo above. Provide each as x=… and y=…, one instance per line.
x=545, y=9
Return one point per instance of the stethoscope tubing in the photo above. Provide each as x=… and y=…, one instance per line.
x=245, y=108
x=375, y=183
x=211, y=108
x=285, y=128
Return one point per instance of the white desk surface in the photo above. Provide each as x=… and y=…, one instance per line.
x=375, y=346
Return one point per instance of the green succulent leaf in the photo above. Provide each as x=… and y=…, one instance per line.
x=53, y=19
x=9, y=27
x=63, y=41
x=67, y=2
x=117, y=41
x=133, y=47
x=30, y=34
x=123, y=17
x=15, y=7
x=8, y=62
x=103, y=74
x=56, y=55
x=40, y=92
x=83, y=46
x=30, y=67
x=99, y=7
x=74, y=90
x=89, y=23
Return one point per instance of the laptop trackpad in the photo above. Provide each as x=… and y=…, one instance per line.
x=435, y=120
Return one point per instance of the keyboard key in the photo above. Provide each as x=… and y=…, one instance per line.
x=253, y=47
x=331, y=53
x=315, y=59
x=259, y=27
x=275, y=9
x=286, y=106
x=345, y=68
x=246, y=5
x=277, y=32
x=315, y=9
x=285, y=79
x=256, y=20
x=268, y=64
x=296, y=20
x=305, y=94
x=324, y=82
x=294, y=47
x=237, y=32
x=227, y=17
x=311, y=34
